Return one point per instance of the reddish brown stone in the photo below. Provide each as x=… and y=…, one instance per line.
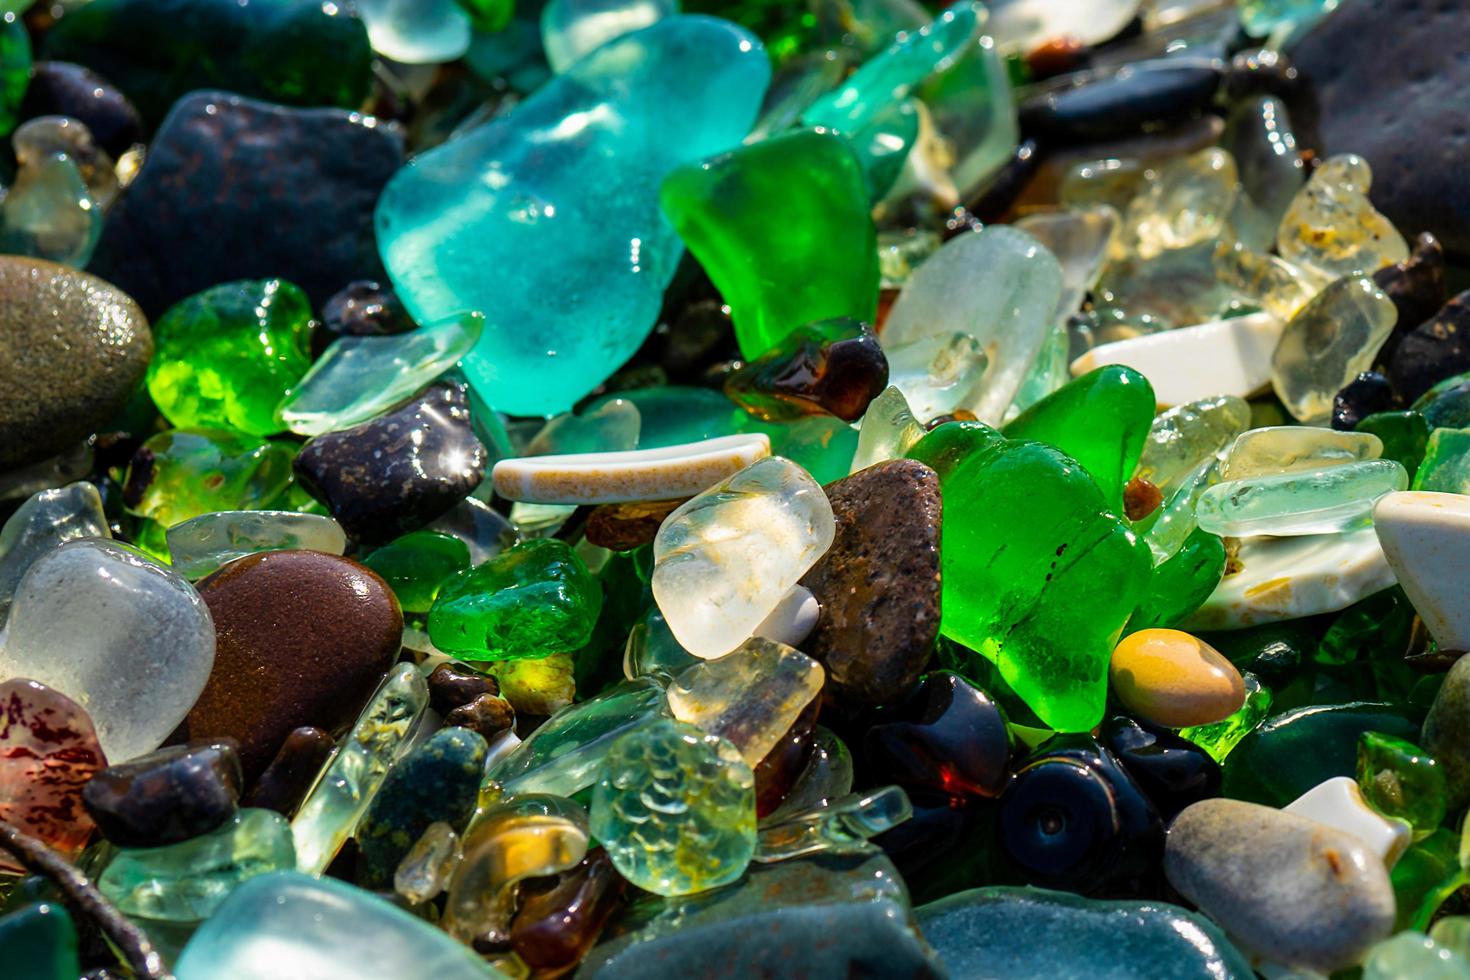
x=302, y=638
x=292, y=772
x=879, y=583
x=487, y=714
x=1140, y=499
x=623, y=527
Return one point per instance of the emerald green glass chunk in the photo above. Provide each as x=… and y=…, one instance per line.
x=15, y=69
x=225, y=358
x=1405, y=436
x=1038, y=576
x=417, y=564
x=1399, y=779
x=531, y=601
x=1221, y=737
x=1447, y=404
x=783, y=229
x=39, y=942
x=1182, y=583
x=1446, y=463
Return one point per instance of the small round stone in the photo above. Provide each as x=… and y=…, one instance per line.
x=1174, y=679
x=166, y=796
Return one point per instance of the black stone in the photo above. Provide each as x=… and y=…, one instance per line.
x=239, y=189
x=1172, y=772
x=1433, y=351
x=166, y=796
x=452, y=686
x=1121, y=102
x=361, y=309
x=1261, y=71
x=1416, y=286
x=59, y=88
x=1388, y=81
x=396, y=473
x=947, y=737
x=292, y=772
x=1368, y=393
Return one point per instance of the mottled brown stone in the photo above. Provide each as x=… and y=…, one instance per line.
x=879, y=582
x=302, y=638
x=454, y=685
x=487, y=714
x=623, y=527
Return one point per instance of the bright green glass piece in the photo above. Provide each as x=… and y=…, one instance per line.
x=225, y=358
x=565, y=755
x=535, y=599
x=1401, y=780
x=417, y=564
x=883, y=145
x=48, y=213
x=1101, y=420
x=15, y=68
x=895, y=73
x=783, y=229
x=1447, y=404
x=1296, y=503
x=1299, y=749
x=1039, y=577
x=1446, y=463
x=1187, y=435
x=675, y=809
x=39, y=942
x=842, y=826
x=1181, y=584
x=358, y=378
x=1220, y=737
x=379, y=738
x=1424, y=876
x=189, y=473
x=188, y=881
x=1405, y=437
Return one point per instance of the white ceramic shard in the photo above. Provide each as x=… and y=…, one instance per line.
x=1339, y=803
x=1223, y=357
x=1426, y=539
x=667, y=473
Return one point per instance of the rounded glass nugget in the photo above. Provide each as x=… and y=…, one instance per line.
x=675, y=809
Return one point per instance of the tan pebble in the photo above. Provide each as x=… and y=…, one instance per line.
x=1174, y=679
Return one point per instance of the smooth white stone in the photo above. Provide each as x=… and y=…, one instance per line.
x=1426, y=538
x=1339, y=803
x=1020, y=26
x=1222, y=357
x=48, y=520
x=127, y=639
x=666, y=473
x=210, y=541
x=1285, y=578
x=725, y=560
x=793, y=619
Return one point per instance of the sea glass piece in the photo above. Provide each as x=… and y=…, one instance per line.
x=1270, y=281
x=565, y=754
x=224, y=358
x=1258, y=134
x=416, y=32
x=938, y=373
x=664, y=473
x=1182, y=582
x=1220, y=737
x=1333, y=229
x=127, y=639
x=675, y=809
x=1101, y=420
x=522, y=837
x=1187, y=204
x=1175, y=521
x=1031, y=556
x=460, y=225
x=532, y=600
x=1411, y=956
x=37, y=139
x=817, y=262
x=1278, y=449
x=39, y=942
x=1297, y=503
x=571, y=29
x=1009, y=310
x=188, y=881
x=750, y=697
x=356, y=771
x=831, y=367
x=889, y=430
x=1401, y=780
x=50, y=214
x=652, y=649
x=335, y=930
x=204, y=544
x=725, y=559
x=48, y=752
x=47, y=520
x=1080, y=240
x=417, y=565
x=1332, y=340
x=426, y=869
x=358, y=378
x=1182, y=438
x=1445, y=467
x=843, y=826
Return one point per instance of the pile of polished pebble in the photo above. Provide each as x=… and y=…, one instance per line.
x=768, y=489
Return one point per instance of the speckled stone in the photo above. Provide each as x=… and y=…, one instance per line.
x=1286, y=888
x=487, y=714
x=166, y=796
x=878, y=584
x=60, y=88
x=438, y=781
x=303, y=638
x=72, y=350
x=1437, y=349
x=397, y=472
x=1388, y=79
x=294, y=188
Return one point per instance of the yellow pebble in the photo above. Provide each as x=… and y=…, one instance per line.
x=1174, y=679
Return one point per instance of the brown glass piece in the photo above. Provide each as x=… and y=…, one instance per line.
x=285, y=781
x=623, y=527
x=452, y=685
x=777, y=772
x=554, y=929
x=1140, y=499
x=487, y=714
x=833, y=367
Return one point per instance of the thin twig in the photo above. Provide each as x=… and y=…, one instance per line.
x=83, y=897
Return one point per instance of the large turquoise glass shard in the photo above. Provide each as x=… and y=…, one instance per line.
x=547, y=219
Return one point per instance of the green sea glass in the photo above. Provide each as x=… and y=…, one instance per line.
x=39, y=942
x=889, y=430
x=225, y=358
x=1295, y=503
x=1182, y=583
x=416, y=565
x=1182, y=438
x=1401, y=780
x=1221, y=737
x=206, y=543
x=1445, y=466
x=1175, y=521
x=15, y=68
x=782, y=228
x=1405, y=437
x=842, y=826
x=1039, y=577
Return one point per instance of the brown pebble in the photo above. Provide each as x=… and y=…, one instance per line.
x=452, y=685
x=879, y=582
x=623, y=527
x=1057, y=57
x=302, y=638
x=285, y=781
x=487, y=714
x=1140, y=499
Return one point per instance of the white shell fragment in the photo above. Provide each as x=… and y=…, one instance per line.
x=667, y=473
